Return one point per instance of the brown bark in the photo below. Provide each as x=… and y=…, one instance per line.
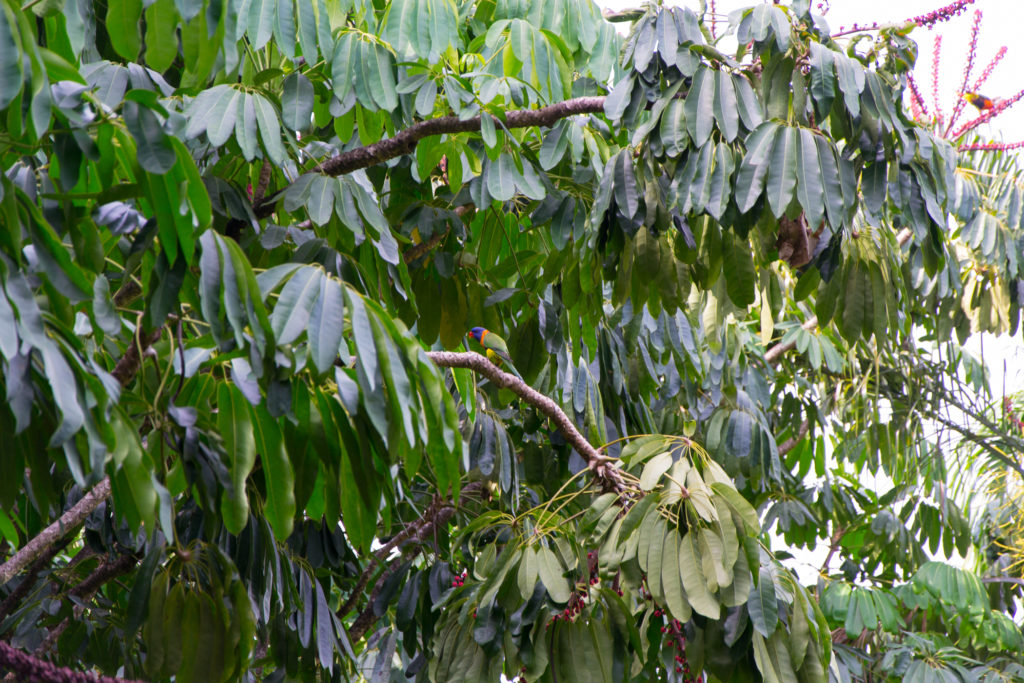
x=405, y=141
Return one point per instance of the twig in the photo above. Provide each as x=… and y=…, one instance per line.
x=29, y=580
x=788, y=445
x=368, y=617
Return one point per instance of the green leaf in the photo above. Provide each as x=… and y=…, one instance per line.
x=297, y=102
x=809, y=190
x=284, y=28
x=153, y=150
x=726, y=110
x=823, y=79
x=831, y=187
x=222, y=116
x=160, y=52
x=851, y=81
x=551, y=575
x=782, y=170
x=11, y=63
x=672, y=580
x=278, y=475
x=739, y=270
x=292, y=311
x=123, y=27
x=754, y=167
x=234, y=423
x=697, y=592
x=700, y=104
x=270, y=130
x=366, y=349
x=261, y=22
x=763, y=605
x=326, y=324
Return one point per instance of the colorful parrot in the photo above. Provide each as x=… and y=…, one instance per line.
x=496, y=348
x=980, y=101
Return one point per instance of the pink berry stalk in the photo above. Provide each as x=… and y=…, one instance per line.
x=971, y=52
x=942, y=14
x=936, y=55
x=917, y=105
x=988, y=69
x=991, y=146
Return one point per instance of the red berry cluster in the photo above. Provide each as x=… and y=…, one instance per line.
x=460, y=580
x=673, y=628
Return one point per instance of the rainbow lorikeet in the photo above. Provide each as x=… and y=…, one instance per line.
x=980, y=101
x=495, y=347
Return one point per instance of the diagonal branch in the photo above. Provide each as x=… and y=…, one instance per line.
x=599, y=463
x=439, y=512
x=405, y=141
x=55, y=532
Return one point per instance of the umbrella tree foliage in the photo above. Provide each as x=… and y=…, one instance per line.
x=242, y=243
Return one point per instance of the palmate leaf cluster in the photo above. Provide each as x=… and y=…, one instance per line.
x=237, y=236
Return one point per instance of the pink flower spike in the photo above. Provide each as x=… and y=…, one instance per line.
x=988, y=69
x=917, y=104
x=991, y=146
x=936, y=54
x=942, y=14
x=971, y=52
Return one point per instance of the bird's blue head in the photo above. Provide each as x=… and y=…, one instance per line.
x=477, y=333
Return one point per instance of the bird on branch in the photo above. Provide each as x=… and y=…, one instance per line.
x=980, y=101
x=495, y=348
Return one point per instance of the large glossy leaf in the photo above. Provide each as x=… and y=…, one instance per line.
x=11, y=64
x=700, y=105
x=236, y=429
x=782, y=169
x=278, y=474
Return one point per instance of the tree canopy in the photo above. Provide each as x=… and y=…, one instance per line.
x=242, y=244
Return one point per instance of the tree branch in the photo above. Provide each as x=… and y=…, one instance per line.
x=788, y=445
x=55, y=532
x=368, y=617
x=25, y=667
x=599, y=463
x=405, y=141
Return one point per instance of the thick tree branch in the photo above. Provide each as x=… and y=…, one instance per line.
x=55, y=532
x=599, y=463
x=788, y=445
x=27, y=668
x=406, y=140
